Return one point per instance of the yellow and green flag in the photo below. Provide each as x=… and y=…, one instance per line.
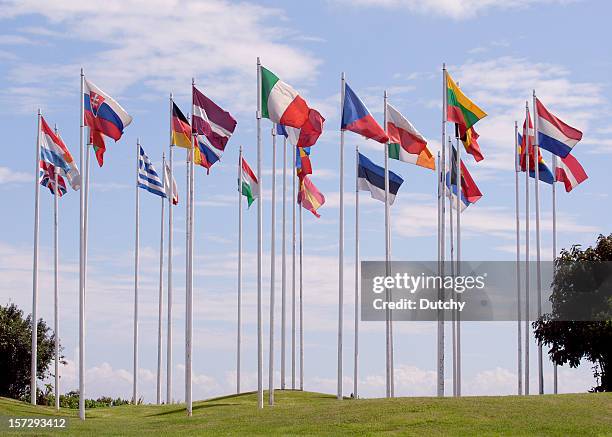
x=460, y=109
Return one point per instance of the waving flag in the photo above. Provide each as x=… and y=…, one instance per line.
x=147, y=176
x=181, y=129
x=371, y=177
x=469, y=138
x=406, y=144
x=250, y=184
x=54, y=151
x=459, y=108
x=309, y=196
x=303, y=165
x=569, y=171
x=470, y=193
x=357, y=118
x=103, y=116
x=553, y=134
x=175, y=198
x=47, y=178
x=280, y=102
x=544, y=173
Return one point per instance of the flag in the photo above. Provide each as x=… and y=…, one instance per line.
x=470, y=193
x=553, y=134
x=460, y=109
x=147, y=176
x=544, y=173
x=103, y=116
x=303, y=166
x=250, y=184
x=181, y=129
x=469, y=138
x=357, y=118
x=54, y=151
x=371, y=177
x=405, y=142
x=309, y=196
x=47, y=178
x=280, y=102
x=175, y=198
x=569, y=171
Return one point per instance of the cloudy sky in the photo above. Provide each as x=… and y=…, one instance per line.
x=140, y=51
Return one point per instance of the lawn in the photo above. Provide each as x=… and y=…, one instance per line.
x=305, y=413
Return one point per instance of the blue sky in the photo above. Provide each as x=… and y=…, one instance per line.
x=139, y=52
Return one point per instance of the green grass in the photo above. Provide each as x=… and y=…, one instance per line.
x=304, y=413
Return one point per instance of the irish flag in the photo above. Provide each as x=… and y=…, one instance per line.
x=280, y=102
x=405, y=142
x=250, y=184
x=460, y=109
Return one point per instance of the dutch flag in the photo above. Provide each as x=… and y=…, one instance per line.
x=555, y=135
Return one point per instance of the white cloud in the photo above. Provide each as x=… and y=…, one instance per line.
x=11, y=176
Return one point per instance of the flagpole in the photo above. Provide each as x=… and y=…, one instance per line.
x=441, y=237
x=538, y=259
x=294, y=269
x=239, y=303
x=55, y=283
x=452, y=264
x=187, y=240
x=518, y=265
x=284, y=268
x=136, y=247
x=387, y=260
x=554, y=245
x=356, y=358
x=161, y=289
x=169, y=321
x=84, y=173
x=301, y=302
x=272, y=271
x=34, y=356
x=341, y=247
x=458, y=270
x=189, y=297
x=527, y=135
x=259, y=244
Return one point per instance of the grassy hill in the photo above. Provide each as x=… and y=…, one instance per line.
x=304, y=413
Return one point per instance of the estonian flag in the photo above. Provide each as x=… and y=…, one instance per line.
x=371, y=177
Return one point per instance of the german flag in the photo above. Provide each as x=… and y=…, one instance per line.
x=181, y=129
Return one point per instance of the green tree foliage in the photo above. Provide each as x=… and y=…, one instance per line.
x=15, y=352
x=582, y=293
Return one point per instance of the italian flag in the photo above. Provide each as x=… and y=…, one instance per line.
x=280, y=102
x=460, y=109
x=405, y=142
x=250, y=184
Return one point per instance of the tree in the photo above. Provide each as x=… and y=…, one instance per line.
x=16, y=354
x=580, y=324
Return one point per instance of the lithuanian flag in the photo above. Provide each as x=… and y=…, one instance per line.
x=460, y=109
x=181, y=129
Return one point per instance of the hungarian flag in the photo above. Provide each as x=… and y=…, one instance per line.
x=250, y=184
x=309, y=196
x=405, y=142
x=280, y=102
x=469, y=138
x=181, y=129
x=460, y=109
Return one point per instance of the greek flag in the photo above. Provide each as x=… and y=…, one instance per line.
x=147, y=176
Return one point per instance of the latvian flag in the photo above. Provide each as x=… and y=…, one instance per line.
x=213, y=125
x=555, y=135
x=569, y=171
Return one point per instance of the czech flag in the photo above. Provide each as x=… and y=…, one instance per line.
x=555, y=135
x=357, y=118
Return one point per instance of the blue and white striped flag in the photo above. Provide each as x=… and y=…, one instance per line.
x=147, y=176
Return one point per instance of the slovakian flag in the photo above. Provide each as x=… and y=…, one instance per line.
x=213, y=126
x=309, y=196
x=470, y=193
x=406, y=144
x=180, y=128
x=569, y=171
x=104, y=117
x=554, y=135
x=357, y=118
x=544, y=173
x=280, y=102
x=53, y=151
x=371, y=177
x=459, y=108
x=47, y=178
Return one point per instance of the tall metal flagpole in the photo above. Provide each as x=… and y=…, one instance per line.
x=301, y=301
x=387, y=260
x=441, y=242
x=294, y=269
x=527, y=134
x=554, y=245
x=452, y=264
x=82, y=204
x=272, y=271
x=136, y=247
x=518, y=266
x=259, y=245
x=284, y=269
x=189, y=300
x=458, y=270
x=341, y=247
x=34, y=356
x=239, y=303
x=170, y=232
x=161, y=289
x=187, y=252
x=356, y=358
x=536, y=153
x=440, y=333
x=56, y=283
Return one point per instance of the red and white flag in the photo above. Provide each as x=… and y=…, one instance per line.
x=569, y=171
